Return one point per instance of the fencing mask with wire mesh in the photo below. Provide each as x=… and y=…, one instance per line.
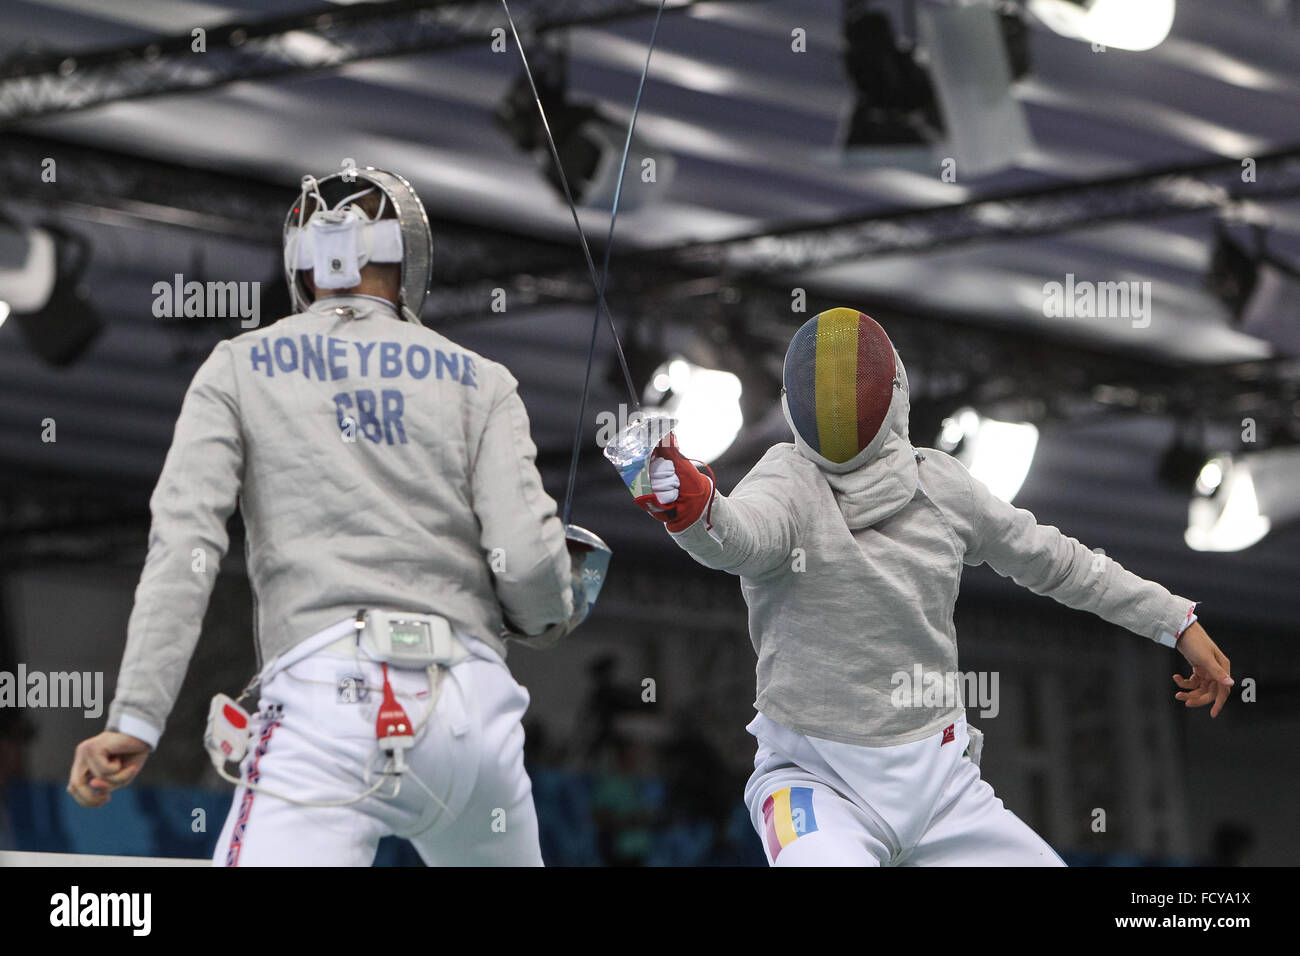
x=842, y=386
x=338, y=238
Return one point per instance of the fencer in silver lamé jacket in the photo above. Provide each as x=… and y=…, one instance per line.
x=433, y=506
x=851, y=579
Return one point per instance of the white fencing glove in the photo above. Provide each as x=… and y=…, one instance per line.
x=663, y=480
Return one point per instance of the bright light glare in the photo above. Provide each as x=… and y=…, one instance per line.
x=1122, y=24
x=679, y=375
x=1229, y=519
x=706, y=404
x=1210, y=478
x=4, y=311
x=1002, y=455
x=309, y=47
x=28, y=288
x=997, y=453
x=952, y=434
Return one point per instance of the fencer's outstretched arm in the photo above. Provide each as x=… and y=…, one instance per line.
x=1039, y=557
x=195, y=495
x=521, y=536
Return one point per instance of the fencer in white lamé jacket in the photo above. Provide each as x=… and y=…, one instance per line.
x=376, y=464
x=851, y=579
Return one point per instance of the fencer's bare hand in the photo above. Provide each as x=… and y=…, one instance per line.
x=104, y=763
x=1211, y=678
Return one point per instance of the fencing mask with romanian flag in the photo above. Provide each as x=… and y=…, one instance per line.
x=843, y=387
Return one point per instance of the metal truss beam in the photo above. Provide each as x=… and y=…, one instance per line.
x=1136, y=197
x=150, y=190
x=90, y=180
x=41, y=84
x=229, y=205
x=796, y=250
x=646, y=285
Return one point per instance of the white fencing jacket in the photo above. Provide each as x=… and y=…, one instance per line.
x=435, y=506
x=851, y=581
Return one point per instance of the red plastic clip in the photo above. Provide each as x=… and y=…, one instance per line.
x=392, y=727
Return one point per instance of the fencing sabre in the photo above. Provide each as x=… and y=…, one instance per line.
x=599, y=281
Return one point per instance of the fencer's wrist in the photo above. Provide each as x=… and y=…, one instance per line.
x=136, y=727
x=677, y=527
x=1188, y=621
x=1173, y=638
x=692, y=506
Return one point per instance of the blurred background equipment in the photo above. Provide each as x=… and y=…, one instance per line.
x=27, y=267
x=939, y=87
x=42, y=275
x=1240, y=498
x=588, y=142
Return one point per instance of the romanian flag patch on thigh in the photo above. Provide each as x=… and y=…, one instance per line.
x=787, y=815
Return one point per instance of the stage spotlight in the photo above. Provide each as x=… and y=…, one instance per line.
x=595, y=151
x=1238, y=499
x=28, y=266
x=974, y=67
x=41, y=285
x=589, y=144
x=1259, y=287
x=945, y=91
x=895, y=100
x=1122, y=24
x=997, y=453
x=705, y=402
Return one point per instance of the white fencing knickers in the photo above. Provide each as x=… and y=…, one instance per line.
x=314, y=737
x=816, y=802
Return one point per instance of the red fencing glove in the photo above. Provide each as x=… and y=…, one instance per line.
x=681, y=492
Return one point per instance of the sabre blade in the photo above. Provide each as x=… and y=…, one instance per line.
x=568, y=196
x=604, y=279
x=598, y=281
